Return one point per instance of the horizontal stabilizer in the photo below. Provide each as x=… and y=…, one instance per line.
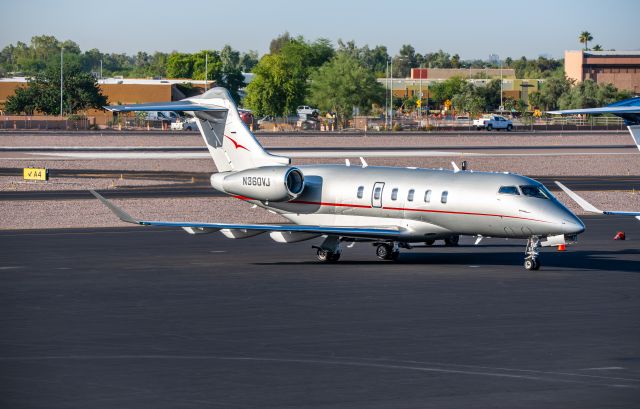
x=344, y=231
x=184, y=105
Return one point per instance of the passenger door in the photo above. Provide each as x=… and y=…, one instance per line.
x=376, y=194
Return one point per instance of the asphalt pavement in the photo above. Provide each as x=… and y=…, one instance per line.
x=156, y=318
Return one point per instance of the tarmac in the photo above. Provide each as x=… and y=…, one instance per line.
x=156, y=318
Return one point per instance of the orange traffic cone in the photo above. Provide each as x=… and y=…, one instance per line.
x=562, y=247
x=620, y=236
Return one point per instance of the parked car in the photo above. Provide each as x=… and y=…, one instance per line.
x=246, y=116
x=307, y=110
x=463, y=120
x=491, y=122
x=184, y=124
x=168, y=116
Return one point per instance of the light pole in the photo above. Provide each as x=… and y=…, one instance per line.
x=206, y=69
x=501, y=105
x=61, y=76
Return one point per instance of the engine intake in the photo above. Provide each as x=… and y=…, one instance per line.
x=269, y=183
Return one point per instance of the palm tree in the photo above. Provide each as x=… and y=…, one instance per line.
x=584, y=38
x=597, y=47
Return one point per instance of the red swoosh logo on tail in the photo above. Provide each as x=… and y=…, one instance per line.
x=236, y=144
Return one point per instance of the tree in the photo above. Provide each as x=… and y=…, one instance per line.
x=42, y=94
x=279, y=85
x=180, y=65
x=446, y=89
x=277, y=43
x=589, y=94
x=550, y=92
x=249, y=60
x=342, y=84
x=584, y=38
x=597, y=47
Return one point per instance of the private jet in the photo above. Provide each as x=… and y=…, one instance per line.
x=390, y=207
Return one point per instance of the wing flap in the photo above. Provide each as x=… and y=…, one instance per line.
x=345, y=231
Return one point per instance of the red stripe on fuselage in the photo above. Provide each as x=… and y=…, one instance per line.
x=401, y=209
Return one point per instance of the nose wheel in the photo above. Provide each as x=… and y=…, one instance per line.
x=531, y=261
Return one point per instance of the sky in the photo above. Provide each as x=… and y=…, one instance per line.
x=471, y=28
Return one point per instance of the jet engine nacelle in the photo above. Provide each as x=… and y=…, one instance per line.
x=269, y=183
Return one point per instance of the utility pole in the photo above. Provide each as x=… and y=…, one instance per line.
x=501, y=105
x=206, y=69
x=101, y=68
x=391, y=98
x=61, y=77
x=386, y=108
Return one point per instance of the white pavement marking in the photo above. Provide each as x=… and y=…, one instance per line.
x=544, y=376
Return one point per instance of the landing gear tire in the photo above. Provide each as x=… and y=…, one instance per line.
x=386, y=252
x=452, y=241
x=429, y=242
x=532, y=264
x=326, y=256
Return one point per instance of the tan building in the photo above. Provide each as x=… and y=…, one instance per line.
x=117, y=91
x=446, y=73
x=620, y=68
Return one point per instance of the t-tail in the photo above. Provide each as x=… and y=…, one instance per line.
x=231, y=144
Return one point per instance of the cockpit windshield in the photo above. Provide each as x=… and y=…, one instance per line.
x=535, y=191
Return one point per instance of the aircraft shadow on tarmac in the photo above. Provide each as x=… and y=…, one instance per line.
x=600, y=260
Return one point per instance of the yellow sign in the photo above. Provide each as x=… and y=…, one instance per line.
x=419, y=103
x=537, y=113
x=36, y=174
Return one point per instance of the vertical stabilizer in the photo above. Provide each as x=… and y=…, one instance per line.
x=231, y=144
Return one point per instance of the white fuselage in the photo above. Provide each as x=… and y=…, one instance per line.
x=424, y=203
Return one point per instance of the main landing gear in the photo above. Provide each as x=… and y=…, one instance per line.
x=531, y=261
x=329, y=251
x=387, y=251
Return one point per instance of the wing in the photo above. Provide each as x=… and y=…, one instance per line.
x=356, y=232
x=591, y=208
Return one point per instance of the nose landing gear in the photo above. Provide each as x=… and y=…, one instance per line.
x=531, y=261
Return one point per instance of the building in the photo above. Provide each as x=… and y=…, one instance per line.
x=120, y=91
x=422, y=78
x=620, y=68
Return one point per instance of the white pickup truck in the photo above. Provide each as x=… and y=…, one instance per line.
x=491, y=122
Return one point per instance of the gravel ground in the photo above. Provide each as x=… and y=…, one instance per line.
x=17, y=184
x=345, y=140
x=50, y=214
x=606, y=165
x=90, y=213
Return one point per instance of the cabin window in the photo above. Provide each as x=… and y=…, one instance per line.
x=509, y=190
x=535, y=191
x=410, y=195
x=427, y=196
x=394, y=194
x=443, y=198
x=360, y=192
x=376, y=193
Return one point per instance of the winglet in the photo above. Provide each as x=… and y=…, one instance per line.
x=122, y=215
x=583, y=203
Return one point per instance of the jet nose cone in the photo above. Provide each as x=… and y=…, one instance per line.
x=572, y=225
